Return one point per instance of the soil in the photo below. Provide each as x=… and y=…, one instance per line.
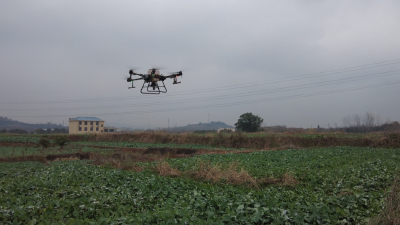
x=164, y=151
x=78, y=155
x=12, y=144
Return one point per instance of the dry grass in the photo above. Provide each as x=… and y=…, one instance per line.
x=164, y=169
x=67, y=159
x=345, y=193
x=229, y=174
x=391, y=213
x=232, y=174
x=121, y=160
x=238, y=140
x=287, y=179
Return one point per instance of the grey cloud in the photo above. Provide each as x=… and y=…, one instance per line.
x=54, y=51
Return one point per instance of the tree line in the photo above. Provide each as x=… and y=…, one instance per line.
x=37, y=131
x=367, y=123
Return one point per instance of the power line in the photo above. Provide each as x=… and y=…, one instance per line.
x=238, y=103
x=293, y=78
x=244, y=94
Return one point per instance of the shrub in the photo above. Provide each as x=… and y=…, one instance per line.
x=44, y=142
x=61, y=140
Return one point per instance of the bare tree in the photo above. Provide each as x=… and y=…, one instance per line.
x=346, y=121
x=378, y=120
x=369, y=120
x=357, y=123
x=357, y=120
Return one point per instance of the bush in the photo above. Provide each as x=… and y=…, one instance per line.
x=61, y=140
x=44, y=142
x=226, y=131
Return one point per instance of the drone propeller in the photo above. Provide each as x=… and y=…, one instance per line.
x=157, y=68
x=132, y=70
x=179, y=73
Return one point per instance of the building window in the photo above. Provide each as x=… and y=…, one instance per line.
x=97, y=129
x=102, y=125
x=80, y=128
x=85, y=128
x=105, y=130
x=97, y=123
x=101, y=130
x=80, y=122
x=85, y=122
x=111, y=130
x=91, y=123
x=91, y=129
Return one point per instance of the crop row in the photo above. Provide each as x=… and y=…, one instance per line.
x=19, y=139
x=26, y=151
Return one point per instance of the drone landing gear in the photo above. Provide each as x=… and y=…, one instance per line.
x=153, y=85
x=132, y=86
x=176, y=80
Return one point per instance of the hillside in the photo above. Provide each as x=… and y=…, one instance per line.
x=8, y=124
x=202, y=126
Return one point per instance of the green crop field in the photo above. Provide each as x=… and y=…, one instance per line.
x=148, y=145
x=27, y=151
x=20, y=138
x=334, y=185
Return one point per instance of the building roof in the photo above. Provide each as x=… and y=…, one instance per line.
x=85, y=119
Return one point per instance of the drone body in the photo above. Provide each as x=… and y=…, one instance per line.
x=152, y=78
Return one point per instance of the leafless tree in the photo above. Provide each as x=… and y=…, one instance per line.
x=363, y=123
x=357, y=120
x=369, y=120
x=346, y=121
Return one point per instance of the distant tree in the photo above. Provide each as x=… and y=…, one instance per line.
x=18, y=131
x=39, y=131
x=204, y=131
x=226, y=131
x=249, y=123
x=60, y=131
x=389, y=126
x=361, y=124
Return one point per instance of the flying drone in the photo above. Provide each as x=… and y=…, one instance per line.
x=151, y=79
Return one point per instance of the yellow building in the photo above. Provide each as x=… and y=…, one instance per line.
x=86, y=125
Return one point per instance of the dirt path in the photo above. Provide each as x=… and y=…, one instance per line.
x=123, y=153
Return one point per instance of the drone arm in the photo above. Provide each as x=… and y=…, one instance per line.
x=138, y=78
x=172, y=76
x=130, y=79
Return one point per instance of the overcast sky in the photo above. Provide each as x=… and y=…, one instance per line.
x=294, y=63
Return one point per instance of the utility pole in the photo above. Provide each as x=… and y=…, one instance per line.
x=168, y=123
